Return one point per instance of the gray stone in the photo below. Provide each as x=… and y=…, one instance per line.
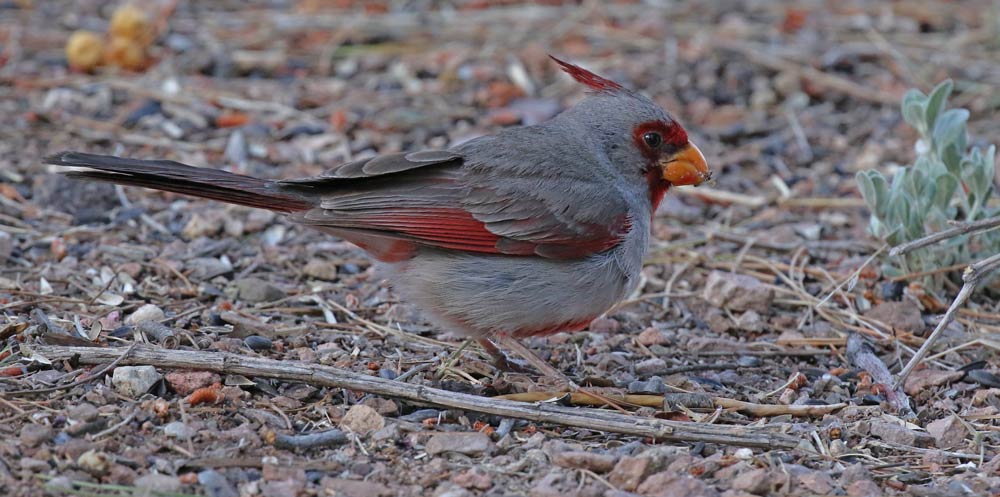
x=894, y=433
x=216, y=485
x=147, y=312
x=654, y=385
x=33, y=435
x=206, y=268
x=650, y=367
x=158, y=482
x=178, y=430
x=256, y=290
x=84, y=412
x=468, y=443
x=133, y=381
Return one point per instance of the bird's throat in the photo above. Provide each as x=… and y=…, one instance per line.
x=657, y=188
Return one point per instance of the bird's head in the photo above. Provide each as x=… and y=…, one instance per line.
x=638, y=135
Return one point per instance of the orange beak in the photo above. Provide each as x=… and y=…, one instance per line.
x=686, y=167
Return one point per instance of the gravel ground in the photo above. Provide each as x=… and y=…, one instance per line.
x=758, y=289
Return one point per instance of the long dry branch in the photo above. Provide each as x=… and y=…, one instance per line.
x=961, y=229
x=594, y=419
x=700, y=401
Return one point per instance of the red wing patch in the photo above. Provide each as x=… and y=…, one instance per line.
x=441, y=227
x=457, y=229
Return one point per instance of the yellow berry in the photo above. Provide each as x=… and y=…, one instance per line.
x=84, y=50
x=125, y=53
x=131, y=23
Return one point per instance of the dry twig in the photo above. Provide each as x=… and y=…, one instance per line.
x=593, y=419
x=700, y=401
x=961, y=229
x=971, y=278
x=324, y=438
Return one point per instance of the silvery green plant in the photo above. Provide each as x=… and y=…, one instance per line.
x=947, y=182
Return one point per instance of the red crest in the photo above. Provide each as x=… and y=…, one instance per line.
x=587, y=78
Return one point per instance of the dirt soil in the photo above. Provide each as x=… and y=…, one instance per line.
x=752, y=289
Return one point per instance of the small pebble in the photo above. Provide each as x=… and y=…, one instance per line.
x=94, y=462
x=362, y=420
x=256, y=290
x=84, y=411
x=258, y=343
x=33, y=434
x=468, y=443
x=133, y=381
x=147, y=312
x=654, y=385
x=320, y=269
x=156, y=482
x=216, y=485
x=178, y=430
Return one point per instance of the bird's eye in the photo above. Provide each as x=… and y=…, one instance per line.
x=652, y=139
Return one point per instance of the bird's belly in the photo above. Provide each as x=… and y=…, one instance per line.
x=481, y=295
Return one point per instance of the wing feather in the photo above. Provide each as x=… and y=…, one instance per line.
x=434, y=198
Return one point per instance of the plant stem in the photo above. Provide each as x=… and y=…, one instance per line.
x=972, y=276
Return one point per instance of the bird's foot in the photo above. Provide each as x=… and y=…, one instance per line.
x=560, y=379
x=502, y=361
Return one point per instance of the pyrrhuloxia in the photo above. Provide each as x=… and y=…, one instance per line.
x=530, y=231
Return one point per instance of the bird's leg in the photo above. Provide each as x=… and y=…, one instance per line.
x=531, y=358
x=500, y=360
x=546, y=369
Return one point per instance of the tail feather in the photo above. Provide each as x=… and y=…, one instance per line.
x=175, y=177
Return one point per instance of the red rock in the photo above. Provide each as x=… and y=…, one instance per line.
x=185, y=382
x=816, y=481
x=353, y=488
x=923, y=379
x=670, y=484
x=630, y=472
x=579, y=459
x=362, y=420
x=652, y=336
x=903, y=316
x=473, y=478
x=864, y=488
x=948, y=432
x=604, y=325
x=756, y=481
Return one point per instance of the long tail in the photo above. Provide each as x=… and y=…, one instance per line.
x=181, y=178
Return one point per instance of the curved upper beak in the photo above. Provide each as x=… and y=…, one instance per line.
x=686, y=167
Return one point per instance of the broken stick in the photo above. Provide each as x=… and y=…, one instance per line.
x=316, y=374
